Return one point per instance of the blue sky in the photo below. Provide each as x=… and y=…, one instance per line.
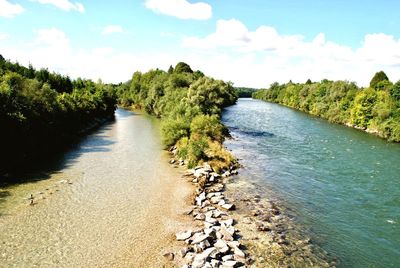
x=252, y=43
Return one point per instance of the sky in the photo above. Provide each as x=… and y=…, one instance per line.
x=252, y=43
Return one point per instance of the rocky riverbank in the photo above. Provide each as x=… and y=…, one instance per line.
x=238, y=230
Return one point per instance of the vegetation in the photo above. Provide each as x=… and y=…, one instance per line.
x=375, y=109
x=189, y=105
x=244, y=92
x=39, y=110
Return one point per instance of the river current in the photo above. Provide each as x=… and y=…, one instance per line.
x=341, y=185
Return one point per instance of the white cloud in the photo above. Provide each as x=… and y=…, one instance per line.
x=260, y=57
x=248, y=58
x=64, y=5
x=9, y=10
x=181, y=9
x=110, y=29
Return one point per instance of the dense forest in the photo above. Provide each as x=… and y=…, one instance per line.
x=244, y=92
x=40, y=110
x=375, y=109
x=189, y=105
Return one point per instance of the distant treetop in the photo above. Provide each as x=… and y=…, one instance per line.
x=182, y=67
x=378, y=77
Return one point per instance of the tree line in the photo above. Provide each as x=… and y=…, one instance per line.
x=189, y=105
x=375, y=109
x=40, y=110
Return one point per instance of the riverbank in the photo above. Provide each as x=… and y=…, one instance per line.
x=236, y=229
x=372, y=109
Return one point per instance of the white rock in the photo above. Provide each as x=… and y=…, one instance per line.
x=201, y=258
x=215, y=199
x=189, y=257
x=217, y=213
x=221, y=246
x=183, y=235
x=211, y=220
x=228, y=264
x=215, y=263
x=207, y=265
x=228, y=206
x=227, y=258
x=183, y=252
x=227, y=223
x=208, y=225
x=221, y=202
x=200, y=238
x=239, y=254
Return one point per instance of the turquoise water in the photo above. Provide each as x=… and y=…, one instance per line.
x=339, y=184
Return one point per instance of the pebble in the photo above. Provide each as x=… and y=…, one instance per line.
x=169, y=256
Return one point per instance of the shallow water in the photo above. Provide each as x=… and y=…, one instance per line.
x=342, y=186
x=95, y=206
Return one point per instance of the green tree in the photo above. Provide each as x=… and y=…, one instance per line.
x=182, y=67
x=378, y=77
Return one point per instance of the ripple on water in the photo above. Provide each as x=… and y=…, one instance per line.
x=340, y=184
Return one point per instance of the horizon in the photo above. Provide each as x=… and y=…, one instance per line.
x=252, y=43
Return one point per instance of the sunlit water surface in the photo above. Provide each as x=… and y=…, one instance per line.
x=341, y=185
x=95, y=220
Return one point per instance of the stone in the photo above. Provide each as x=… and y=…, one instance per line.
x=206, y=203
x=215, y=174
x=219, y=235
x=207, y=265
x=228, y=206
x=197, y=263
x=233, y=244
x=226, y=235
x=169, y=256
x=230, y=230
x=215, y=263
x=200, y=217
x=211, y=220
x=215, y=199
x=227, y=258
x=208, y=225
x=183, y=235
x=200, y=238
x=200, y=259
x=229, y=264
x=227, y=223
x=226, y=174
x=221, y=202
x=221, y=246
x=247, y=220
x=262, y=227
x=209, y=214
x=183, y=252
x=239, y=254
x=217, y=213
x=189, y=257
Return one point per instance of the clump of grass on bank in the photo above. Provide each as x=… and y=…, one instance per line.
x=189, y=105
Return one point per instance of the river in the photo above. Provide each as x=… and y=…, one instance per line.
x=342, y=186
x=111, y=201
